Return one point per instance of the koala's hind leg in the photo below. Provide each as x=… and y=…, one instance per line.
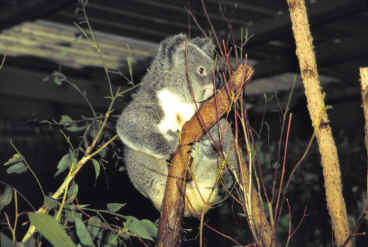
x=148, y=175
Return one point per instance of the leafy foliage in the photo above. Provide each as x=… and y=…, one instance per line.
x=50, y=229
x=66, y=162
x=15, y=164
x=143, y=228
x=6, y=197
x=61, y=219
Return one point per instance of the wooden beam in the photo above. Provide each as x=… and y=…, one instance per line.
x=29, y=10
x=319, y=14
x=59, y=43
x=249, y=7
x=327, y=55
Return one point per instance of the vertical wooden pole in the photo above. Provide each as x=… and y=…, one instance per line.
x=317, y=111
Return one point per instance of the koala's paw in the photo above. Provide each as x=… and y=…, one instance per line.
x=203, y=149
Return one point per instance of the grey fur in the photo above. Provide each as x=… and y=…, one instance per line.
x=149, y=146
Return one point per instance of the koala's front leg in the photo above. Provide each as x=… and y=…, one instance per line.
x=138, y=128
x=159, y=146
x=209, y=146
x=205, y=148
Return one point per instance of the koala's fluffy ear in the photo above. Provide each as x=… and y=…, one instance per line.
x=206, y=45
x=203, y=45
x=169, y=49
x=172, y=50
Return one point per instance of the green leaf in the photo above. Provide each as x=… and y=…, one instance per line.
x=16, y=164
x=73, y=190
x=65, y=120
x=253, y=151
x=6, y=197
x=71, y=214
x=49, y=203
x=51, y=230
x=96, y=165
x=65, y=162
x=150, y=227
x=75, y=128
x=82, y=232
x=13, y=160
x=143, y=228
x=69, y=124
x=5, y=241
x=82, y=206
x=94, y=226
x=114, y=207
x=17, y=168
x=130, y=60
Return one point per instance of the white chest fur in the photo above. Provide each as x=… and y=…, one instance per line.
x=176, y=113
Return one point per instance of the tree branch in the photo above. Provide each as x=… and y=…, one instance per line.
x=174, y=201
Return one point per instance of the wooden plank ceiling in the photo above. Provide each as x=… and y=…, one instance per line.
x=40, y=37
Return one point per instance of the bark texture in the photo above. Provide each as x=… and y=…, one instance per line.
x=317, y=111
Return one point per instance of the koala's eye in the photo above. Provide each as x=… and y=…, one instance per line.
x=201, y=71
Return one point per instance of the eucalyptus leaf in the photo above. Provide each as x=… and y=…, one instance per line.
x=51, y=230
x=94, y=226
x=17, y=168
x=114, y=207
x=130, y=60
x=6, y=197
x=71, y=214
x=65, y=162
x=75, y=128
x=49, y=203
x=16, y=158
x=83, y=233
x=70, y=124
x=73, y=190
x=150, y=227
x=65, y=120
x=143, y=228
x=97, y=167
x=81, y=206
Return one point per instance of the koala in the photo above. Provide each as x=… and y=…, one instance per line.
x=179, y=77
